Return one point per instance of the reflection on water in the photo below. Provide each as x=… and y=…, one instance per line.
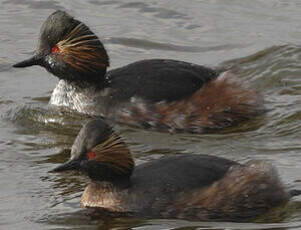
x=252, y=37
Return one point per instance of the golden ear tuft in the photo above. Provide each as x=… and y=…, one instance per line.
x=82, y=50
x=115, y=153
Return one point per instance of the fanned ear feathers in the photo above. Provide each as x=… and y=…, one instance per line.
x=114, y=152
x=82, y=50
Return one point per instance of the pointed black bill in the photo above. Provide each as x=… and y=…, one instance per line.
x=35, y=60
x=69, y=165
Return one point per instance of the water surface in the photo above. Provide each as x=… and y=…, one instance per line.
x=260, y=39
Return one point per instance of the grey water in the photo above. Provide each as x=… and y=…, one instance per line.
x=260, y=39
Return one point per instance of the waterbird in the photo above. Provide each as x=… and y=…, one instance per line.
x=163, y=94
x=184, y=186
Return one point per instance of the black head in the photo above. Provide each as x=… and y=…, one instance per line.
x=69, y=50
x=100, y=153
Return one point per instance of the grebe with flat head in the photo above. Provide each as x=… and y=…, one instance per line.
x=158, y=93
x=193, y=187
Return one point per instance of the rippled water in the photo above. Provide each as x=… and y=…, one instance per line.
x=260, y=39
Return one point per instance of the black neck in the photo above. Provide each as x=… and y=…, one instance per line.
x=98, y=83
x=101, y=172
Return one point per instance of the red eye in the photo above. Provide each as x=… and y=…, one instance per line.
x=91, y=155
x=55, y=49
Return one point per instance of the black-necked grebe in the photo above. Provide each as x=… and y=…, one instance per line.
x=162, y=94
x=195, y=187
